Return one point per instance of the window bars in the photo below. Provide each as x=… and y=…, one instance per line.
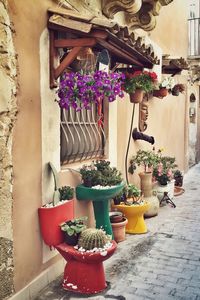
x=82, y=135
x=194, y=28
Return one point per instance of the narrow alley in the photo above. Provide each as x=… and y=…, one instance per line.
x=162, y=264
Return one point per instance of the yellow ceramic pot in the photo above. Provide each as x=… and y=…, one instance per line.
x=135, y=216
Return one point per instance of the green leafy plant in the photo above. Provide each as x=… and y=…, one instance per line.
x=132, y=191
x=139, y=80
x=100, y=173
x=146, y=158
x=177, y=173
x=66, y=193
x=74, y=227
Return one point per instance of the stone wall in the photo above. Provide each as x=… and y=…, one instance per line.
x=8, y=111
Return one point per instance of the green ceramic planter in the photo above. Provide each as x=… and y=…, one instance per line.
x=100, y=199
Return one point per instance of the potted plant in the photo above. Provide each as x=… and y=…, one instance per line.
x=178, y=88
x=178, y=177
x=55, y=212
x=138, y=83
x=163, y=174
x=148, y=160
x=72, y=230
x=79, y=90
x=100, y=183
x=161, y=88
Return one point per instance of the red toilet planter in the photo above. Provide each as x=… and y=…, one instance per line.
x=84, y=272
x=51, y=217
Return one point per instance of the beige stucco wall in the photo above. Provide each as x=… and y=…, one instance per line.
x=36, y=134
x=166, y=119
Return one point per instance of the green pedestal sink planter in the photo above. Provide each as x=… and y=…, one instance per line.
x=100, y=199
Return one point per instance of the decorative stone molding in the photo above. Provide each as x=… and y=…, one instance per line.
x=111, y=7
x=139, y=13
x=145, y=18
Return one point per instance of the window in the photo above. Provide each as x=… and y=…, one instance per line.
x=194, y=28
x=82, y=135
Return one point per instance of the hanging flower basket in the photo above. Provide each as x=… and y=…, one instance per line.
x=137, y=96
x=161, y=93
x=79, y=90
x=138, y=83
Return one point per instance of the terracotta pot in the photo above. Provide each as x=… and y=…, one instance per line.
x=51, y=217
x=116, y=217
x=137, y=96
x=119, y=230
x=149, y=197
x=161, y=93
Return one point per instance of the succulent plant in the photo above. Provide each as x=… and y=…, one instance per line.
x=66, y=192
x=93, y=238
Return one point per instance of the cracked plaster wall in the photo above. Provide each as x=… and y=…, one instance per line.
x=8, y=110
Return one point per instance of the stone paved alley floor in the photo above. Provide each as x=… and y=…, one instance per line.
x=162, y=264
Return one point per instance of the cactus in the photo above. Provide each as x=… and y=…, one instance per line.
x=93, y=238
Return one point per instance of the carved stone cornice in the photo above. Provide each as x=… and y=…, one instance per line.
x=145, y=18
x=111, y=7
x=139, y=14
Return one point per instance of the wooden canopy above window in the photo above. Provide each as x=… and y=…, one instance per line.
x=174, y=65
x=95, y=32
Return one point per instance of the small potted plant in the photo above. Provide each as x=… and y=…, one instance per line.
x=163, y=174
x=72, y=230
x=178, y=88
x=138, y=83
x=100, y=183
x=161, y=88
x=178, y=176
x=133, y=194
x=55, y=212
x=148, y=159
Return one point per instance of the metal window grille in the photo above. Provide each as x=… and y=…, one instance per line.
x=82, y=135
x=194, y=28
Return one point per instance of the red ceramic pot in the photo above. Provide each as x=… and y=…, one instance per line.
x=161, y=93
x=50, y=219
x=137, y=96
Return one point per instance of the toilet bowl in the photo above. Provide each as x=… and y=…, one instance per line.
x=84, y=272
x=135, y=216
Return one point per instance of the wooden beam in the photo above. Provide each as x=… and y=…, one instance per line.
x=119, y=52
x=69, y=23
x=52, y=56
x=79, y=42
x=67, y=61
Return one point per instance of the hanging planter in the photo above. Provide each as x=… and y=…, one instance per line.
x=79, y=90
x=137, y=96
x=162, y=88
x=138, y=83
x=161, y=93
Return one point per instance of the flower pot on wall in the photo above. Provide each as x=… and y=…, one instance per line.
x=137, y=96
x=51, y=217
x=146, y=187
x=161, y=93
